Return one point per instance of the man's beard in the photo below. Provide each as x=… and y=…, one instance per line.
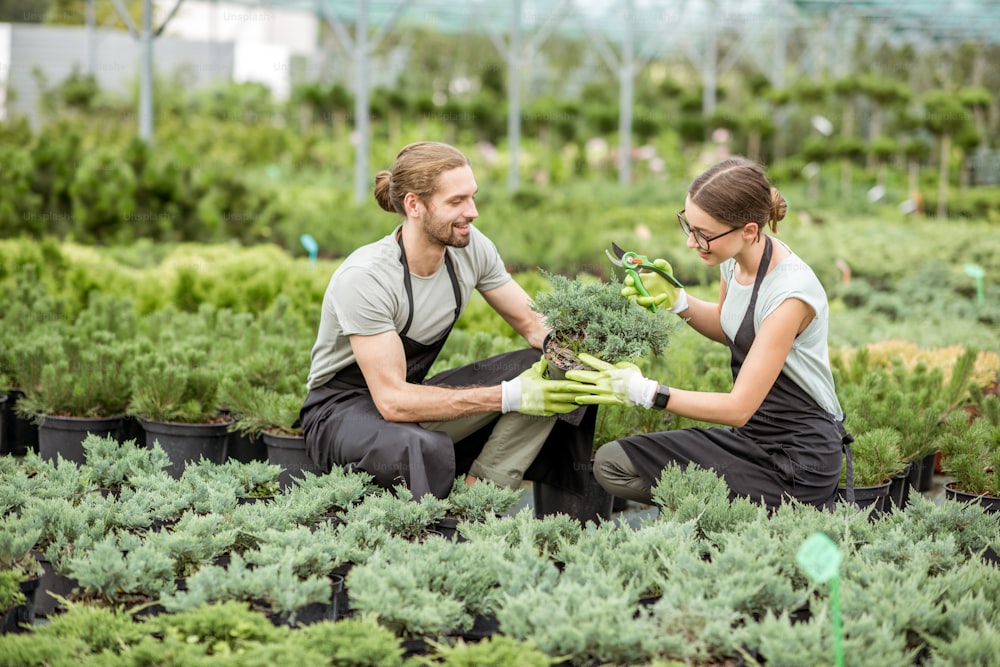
x=443, y=231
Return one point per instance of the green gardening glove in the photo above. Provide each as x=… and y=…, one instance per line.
x=614, y=384
x=661, y=291
x=530, y=393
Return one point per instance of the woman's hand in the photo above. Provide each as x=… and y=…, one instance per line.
x=661, y=291
x=614, y=384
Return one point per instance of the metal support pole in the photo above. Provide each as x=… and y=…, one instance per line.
x=626, y=87
x=146, y=75
x=514, y=96
x=361, y=125
x=91, y=20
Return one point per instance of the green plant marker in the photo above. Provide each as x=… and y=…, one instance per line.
x=820, y=557
x=309, y=243
x=977, y=272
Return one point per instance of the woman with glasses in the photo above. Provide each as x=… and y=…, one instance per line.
x=781, y=432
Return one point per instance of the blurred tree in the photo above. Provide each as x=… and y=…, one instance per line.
x=74, y=12
x=885, y=95
x=944, y=117
x=24, y=11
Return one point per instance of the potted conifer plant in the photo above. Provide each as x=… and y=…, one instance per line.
x=74, y=383
x=176, y=398
x=971, y=455
x=260, y=412
x=591, y=316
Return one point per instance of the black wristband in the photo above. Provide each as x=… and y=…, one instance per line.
x=662, y=397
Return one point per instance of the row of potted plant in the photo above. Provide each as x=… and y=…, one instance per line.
x=706, y=581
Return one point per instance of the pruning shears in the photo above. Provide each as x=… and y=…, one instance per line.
x=633, y=262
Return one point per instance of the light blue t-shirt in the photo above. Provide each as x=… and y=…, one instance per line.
x=808, y=362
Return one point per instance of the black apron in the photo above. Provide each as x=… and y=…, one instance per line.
x=791, y=447
x=342, y=426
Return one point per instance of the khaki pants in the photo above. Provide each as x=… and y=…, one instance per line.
x=614, y=471
x=513, y=444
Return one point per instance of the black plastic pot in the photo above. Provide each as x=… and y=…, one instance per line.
x=925, y=478
x=899, y=489
x=594, y=504
x=184, y=443
x=875, y=499
x=50, y=581
x=16, y=618
x=17, y=434
x=289, y=452
x=245, y=449
x=989, y=503
x=64, y=436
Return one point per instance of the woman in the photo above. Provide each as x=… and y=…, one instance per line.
x=783, y=435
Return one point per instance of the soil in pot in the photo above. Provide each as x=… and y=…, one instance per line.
x=559, y=356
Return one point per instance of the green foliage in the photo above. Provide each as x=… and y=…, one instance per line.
x=335, y=491
x=353, y=642
x=273, y=587
x=414, y=596
x=592, y=316
x=120, y=566
x=565, y=621
x=877, y=457
x=98, y=628
x=913, y=403
x=10, y=590
x=259, y=409
x=971, y=453
x=221, y=628
x=702, y=495
x=74, y=374
x=178, y=385
x=482, y=499
x=397, y=512
x=17, y=537
x=110, y=463
x=497, y=651
x=307, y=550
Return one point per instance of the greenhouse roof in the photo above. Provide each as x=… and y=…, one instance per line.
x=917, y=20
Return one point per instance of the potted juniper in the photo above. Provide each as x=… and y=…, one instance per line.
x=176, y=398
x=261, y=412
x=877, y=460
x=591, y=316
x=971, y=455
x=74, y=383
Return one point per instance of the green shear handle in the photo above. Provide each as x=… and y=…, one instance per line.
x=633, y=263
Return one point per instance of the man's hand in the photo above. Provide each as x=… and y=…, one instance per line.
x=531, y=394
x=614, y=384
x=661, y=291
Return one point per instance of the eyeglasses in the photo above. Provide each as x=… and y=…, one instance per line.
x=699, y=237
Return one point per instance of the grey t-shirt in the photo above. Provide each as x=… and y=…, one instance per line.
x=808, y=362
x=366, y=296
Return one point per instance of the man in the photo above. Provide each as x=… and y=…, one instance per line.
x=387, y=313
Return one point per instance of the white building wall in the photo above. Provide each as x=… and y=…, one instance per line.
x=265, y=38
x=111, y=55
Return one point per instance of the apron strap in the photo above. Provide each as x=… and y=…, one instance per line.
x=408, y=285
x=849, y=472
